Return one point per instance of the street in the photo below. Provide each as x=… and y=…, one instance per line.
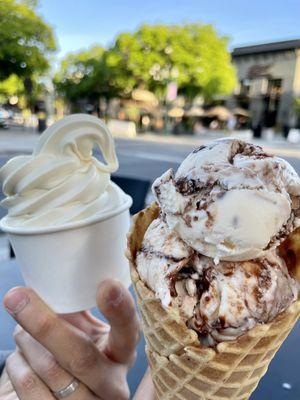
x=147, y=156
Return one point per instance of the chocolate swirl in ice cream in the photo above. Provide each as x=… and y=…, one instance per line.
x=237, y=296
x=61, y=182
x=212, y=255
x=230, y=200
x=220, y=302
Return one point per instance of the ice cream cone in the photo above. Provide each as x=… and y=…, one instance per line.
x=182, y=368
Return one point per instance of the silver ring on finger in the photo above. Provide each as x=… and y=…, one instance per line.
x=68, y=390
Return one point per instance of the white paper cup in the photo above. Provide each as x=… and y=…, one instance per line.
x=65, y=265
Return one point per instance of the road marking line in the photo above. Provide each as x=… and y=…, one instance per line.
x=151, y=156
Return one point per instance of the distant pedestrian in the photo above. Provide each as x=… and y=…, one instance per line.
x=257, y=130
x=286, y=130
x=231, y=123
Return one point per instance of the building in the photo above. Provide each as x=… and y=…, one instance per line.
x=269, y=80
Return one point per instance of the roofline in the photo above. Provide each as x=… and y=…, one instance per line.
x=270, y=47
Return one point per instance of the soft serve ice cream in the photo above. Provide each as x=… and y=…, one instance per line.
x=212, y=253
x=62, y=182
x=67, y=221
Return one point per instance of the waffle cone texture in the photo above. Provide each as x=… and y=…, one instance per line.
x=182, y=369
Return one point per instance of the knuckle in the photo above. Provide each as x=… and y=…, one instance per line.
x=85, y=360
x=18, y=334
x=24, y=378
x=51, y=368
x=27, y=381
x=42, y=329
x=18, y=329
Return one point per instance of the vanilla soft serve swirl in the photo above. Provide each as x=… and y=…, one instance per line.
x=61, y=182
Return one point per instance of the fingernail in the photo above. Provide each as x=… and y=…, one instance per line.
x=115, y=295
x=15, y=301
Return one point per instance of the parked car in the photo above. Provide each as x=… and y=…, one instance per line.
x=17, y=119
x=4, y=118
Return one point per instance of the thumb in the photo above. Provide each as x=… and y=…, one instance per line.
x=117, y=305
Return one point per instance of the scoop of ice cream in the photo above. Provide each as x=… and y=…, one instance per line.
x=236, y=296
x=230, y=201
x=162, y=252
x=61, y=181
x=220, y=302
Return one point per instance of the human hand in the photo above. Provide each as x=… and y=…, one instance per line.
x=146, y=388
x=6, y=389
x=53, y=350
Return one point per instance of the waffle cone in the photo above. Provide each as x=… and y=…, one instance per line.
x=181, y=368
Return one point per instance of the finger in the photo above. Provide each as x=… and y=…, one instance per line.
x=41, y=361
x=117, y=305
x=146, y=389
x=87, y=323
x=72, y=348
x=46, y=367
x=25, y=382
x=7, y=391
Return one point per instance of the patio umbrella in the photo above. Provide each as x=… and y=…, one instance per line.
x=241, y=112
x=194, y=111
x=220, y=112
x=144, y=96
x=176, y=112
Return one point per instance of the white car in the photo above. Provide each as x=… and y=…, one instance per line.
x=4, y=117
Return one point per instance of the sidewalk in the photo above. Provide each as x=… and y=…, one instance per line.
x=274, y=146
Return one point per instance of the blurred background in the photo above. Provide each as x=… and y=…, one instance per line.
x=192, y=68
x=166, y=76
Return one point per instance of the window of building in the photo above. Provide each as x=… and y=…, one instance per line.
x=274, y=87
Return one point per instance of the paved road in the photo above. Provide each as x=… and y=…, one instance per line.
x=149, y=159
x=146, y=157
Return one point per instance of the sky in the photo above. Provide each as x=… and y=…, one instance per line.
x=79, y=24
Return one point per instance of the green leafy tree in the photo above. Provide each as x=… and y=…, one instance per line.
x=13, y=85
x=25, y=40
x=193, y=55
x=296, y=105
x=79, y=76
x=89, y=76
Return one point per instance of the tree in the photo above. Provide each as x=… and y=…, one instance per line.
x=79, y=75
x=11, y=86
x=25, y=40
x=89, y=76
x=296, y=105
x=193, y=55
